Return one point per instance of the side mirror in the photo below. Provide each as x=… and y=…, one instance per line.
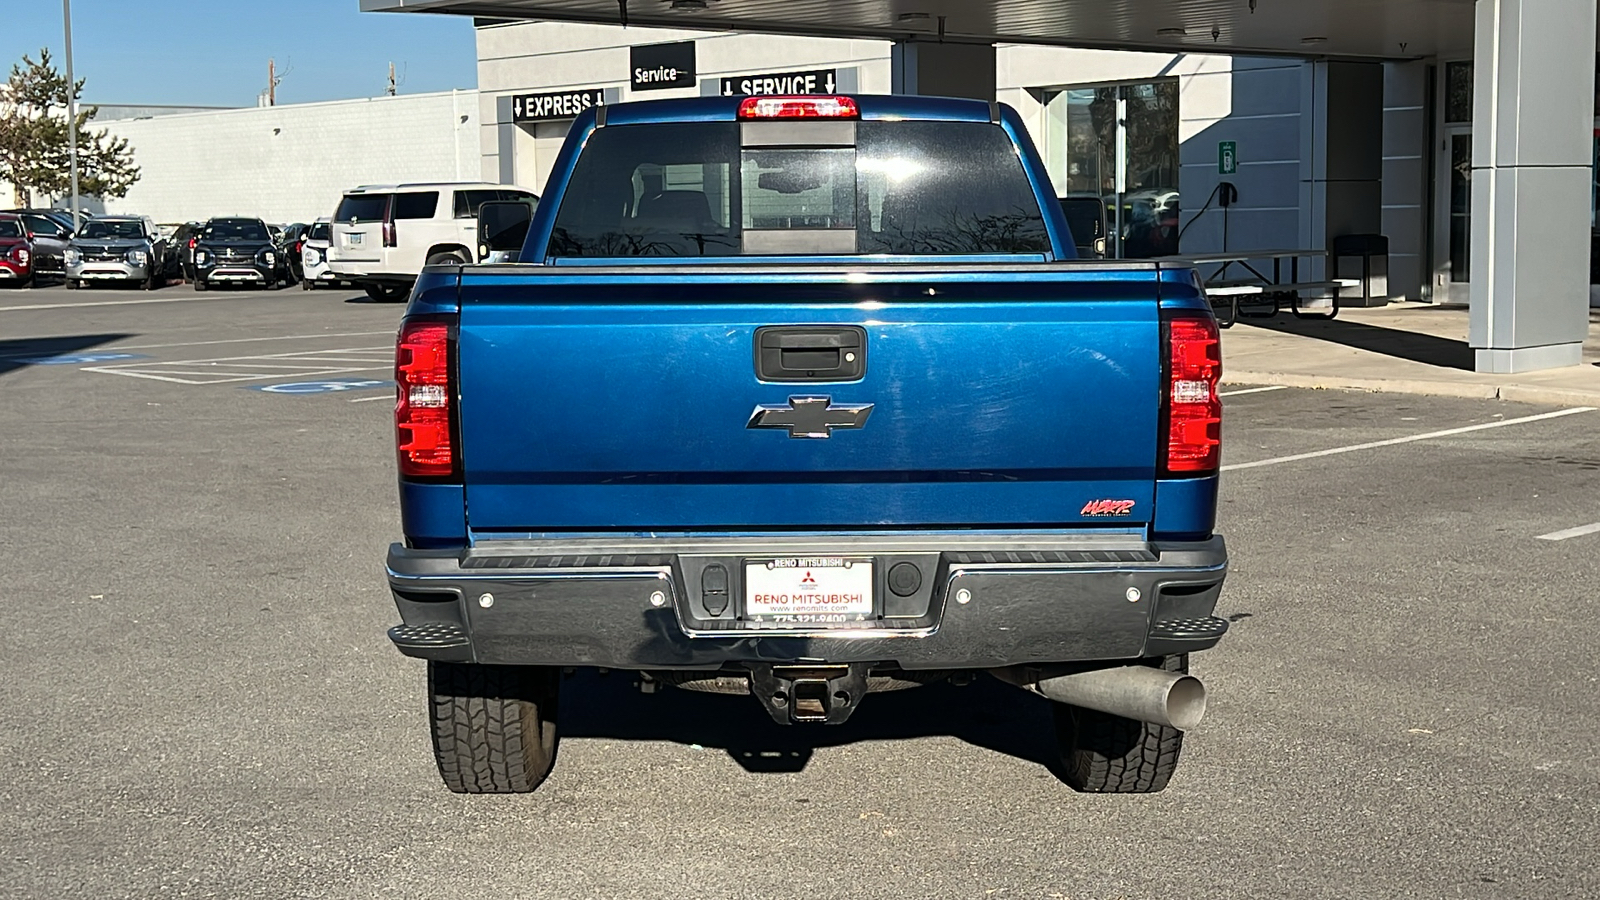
x=1100, y=247
x=503, y=226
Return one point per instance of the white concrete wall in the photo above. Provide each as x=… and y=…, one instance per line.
x=292, y=163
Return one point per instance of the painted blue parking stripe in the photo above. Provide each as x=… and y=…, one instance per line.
x=80, y=359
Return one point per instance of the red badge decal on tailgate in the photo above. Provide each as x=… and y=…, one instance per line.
x=1108, y=508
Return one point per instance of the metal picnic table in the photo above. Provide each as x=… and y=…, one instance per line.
x=1252, y=282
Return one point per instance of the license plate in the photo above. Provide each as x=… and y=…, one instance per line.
x=354, y=240
x=825, y=591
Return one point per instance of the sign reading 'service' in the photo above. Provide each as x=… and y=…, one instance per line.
x=655, y=67
x=816, y=81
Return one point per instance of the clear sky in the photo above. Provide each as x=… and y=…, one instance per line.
x=215, y=52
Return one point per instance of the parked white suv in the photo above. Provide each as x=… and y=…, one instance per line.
x=384, y=234
x=314, y=256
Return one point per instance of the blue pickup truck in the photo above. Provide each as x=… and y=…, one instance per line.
x=807, y=398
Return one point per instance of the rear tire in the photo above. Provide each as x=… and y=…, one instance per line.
x=494, y=727
x=71, y=284
x=1106, y=754
x=447, y=259
x=386, y=294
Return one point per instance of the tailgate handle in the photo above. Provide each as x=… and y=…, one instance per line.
x=811, y=353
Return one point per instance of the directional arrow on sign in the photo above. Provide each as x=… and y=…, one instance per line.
x=516, y=106
x=830, y=81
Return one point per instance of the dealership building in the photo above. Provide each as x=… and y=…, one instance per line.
x=1462, y=132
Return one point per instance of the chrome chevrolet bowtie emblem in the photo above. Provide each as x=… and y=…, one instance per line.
x=811, y=417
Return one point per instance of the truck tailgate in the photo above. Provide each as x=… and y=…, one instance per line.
x=600, y=400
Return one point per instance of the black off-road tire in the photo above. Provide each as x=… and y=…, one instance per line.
x=494, y=727
x=1106, y=754
x=200, y=285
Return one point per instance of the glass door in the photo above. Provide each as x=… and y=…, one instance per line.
x=1120, y=144
x=1594, y=216
x=1453, y=228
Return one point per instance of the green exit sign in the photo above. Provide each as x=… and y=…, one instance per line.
x=1228, y=157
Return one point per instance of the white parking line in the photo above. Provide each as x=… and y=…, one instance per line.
x=1407, y=440
x=370, y=399
x=283, y=337
x=1260, y=390
x=291, y=366
x=107, y=303
x=1562, y=535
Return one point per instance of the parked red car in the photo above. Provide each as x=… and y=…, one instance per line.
x=16, y=252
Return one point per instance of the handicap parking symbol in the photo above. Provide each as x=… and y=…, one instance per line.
x=81, y=359
x=331, y=386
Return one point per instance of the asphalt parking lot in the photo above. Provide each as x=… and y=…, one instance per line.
x=199, y=699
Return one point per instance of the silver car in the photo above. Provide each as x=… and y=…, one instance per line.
x=125, y=249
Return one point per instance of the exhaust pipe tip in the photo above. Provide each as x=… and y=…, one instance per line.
x=1186, y=703
x=1174, y=699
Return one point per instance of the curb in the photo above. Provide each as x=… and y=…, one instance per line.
x=1518, y=393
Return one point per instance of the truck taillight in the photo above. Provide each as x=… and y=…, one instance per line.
x=806, y=107
x=389, y=237
x=1193, y=408
x=425, y=406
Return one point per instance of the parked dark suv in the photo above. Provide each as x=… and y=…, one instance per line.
x=237, y=251
x=184, y=240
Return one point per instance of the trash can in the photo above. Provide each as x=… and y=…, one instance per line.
x=1365, y=257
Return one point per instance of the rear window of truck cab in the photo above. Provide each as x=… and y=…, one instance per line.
x=711, y=189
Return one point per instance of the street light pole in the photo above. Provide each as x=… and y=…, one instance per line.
x=72, y=111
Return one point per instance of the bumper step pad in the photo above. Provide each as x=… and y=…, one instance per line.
x=445, y=641
x=1204, y=628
